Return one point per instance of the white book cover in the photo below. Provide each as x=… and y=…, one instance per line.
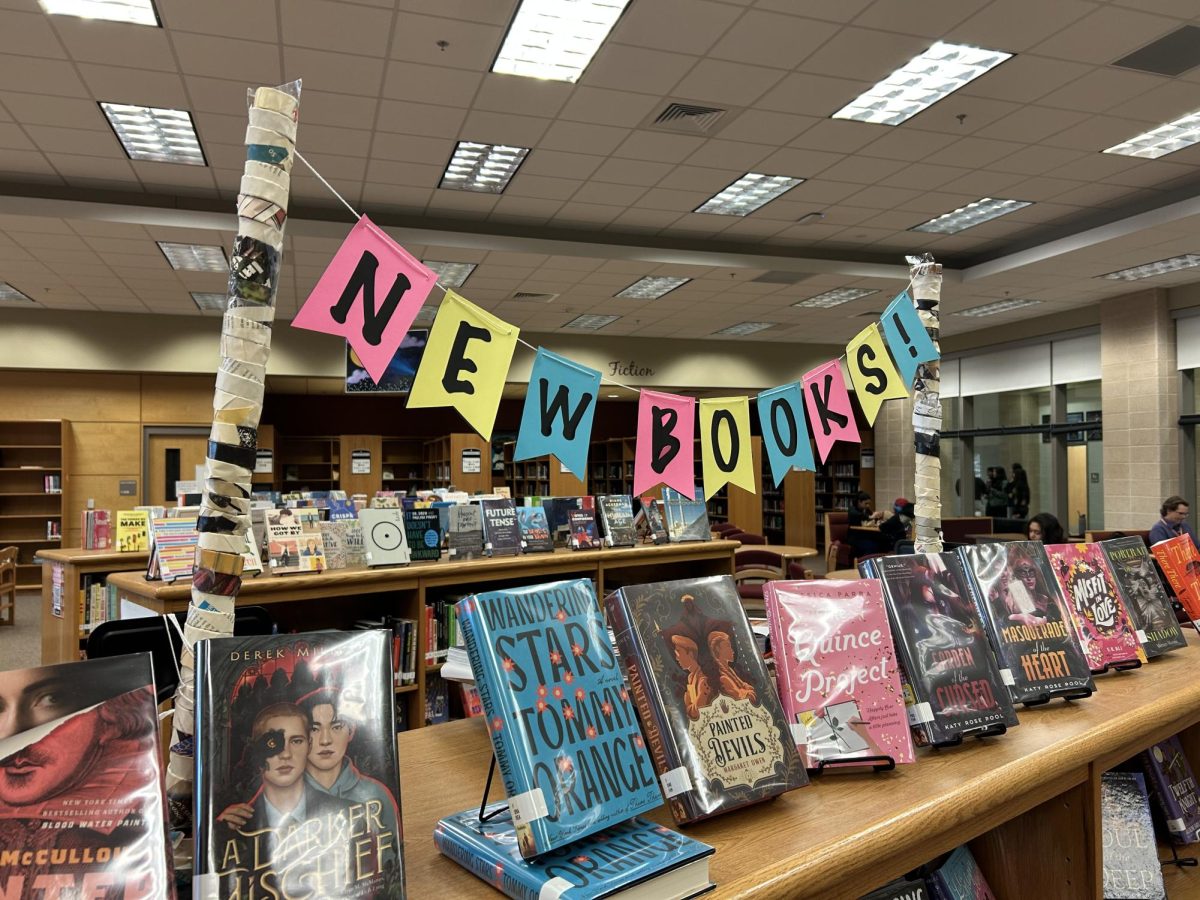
x=384, y=537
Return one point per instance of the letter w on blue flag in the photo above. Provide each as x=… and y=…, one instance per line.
x=559, y=407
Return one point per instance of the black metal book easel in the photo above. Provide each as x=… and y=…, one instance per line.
x=1177, y=860
x=487, y=789
x=880, y=763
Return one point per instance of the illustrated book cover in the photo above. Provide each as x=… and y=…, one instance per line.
x=686, y=519
x=344, y=547
x=294, y=542
x=651, y=518
x=133, y=530
x=1173, y=785
x=1145, y=599
x=558, y=511
x=901, y=889
x=717, y=733
x=501, y=533
x=424, y=532
x=384, y=539
x=959, y=878
x=582, y=523
x=1102, y=623
x=535, y=529
x=1129, y=851
x=1180, y=563
x=464, y=537
x=616, y=519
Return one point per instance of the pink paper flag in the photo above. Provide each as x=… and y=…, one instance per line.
x=665, y=448
x=369, y=294
x=830, y=415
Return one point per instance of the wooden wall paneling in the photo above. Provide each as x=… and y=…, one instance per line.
x=103, y=448
x=799, y=509
x=472, y=483
x=88, y=397
x=361, y=484
x=104, y=490
x=564, y=484
x=177, y=399
x=745, y=508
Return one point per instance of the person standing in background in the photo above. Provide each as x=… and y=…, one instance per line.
x=1174, y=521
x=1018, y=492
x=997, y=495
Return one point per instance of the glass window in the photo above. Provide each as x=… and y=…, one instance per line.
x=1007, y=493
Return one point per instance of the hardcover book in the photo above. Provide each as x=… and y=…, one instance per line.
x=836, y=669
x=953, y=687
x=1130, y=854
x=133, y=531
x=465, y=535
x=582, y=523
x=1181, y=565
x=686, y=519
x=81, y=782
x=717, y=733
x=343, y=539
x=561, y=722
x=900, y=889
x=636, y=855
x=385, y=541
x=341, y=508
x=1102, y=623
x=1027, y=621
x=501, y=533
x=1142, y=590
x=654, y=526
x=959, y=878
x=616, y=518
x=424, y=529
x=557, y=514
x=294, y=542
x=174, y=552
x=535, y=530
x=297, y=783
x=1173, y=785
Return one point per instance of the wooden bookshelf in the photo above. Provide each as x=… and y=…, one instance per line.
x=307, y=463
x=363, y=482
x=444, y=463
x=788, y=510
x=840, y=477
x=62, y=637
x=734, y=504
x=403, y=467
x=610, y=466
x=541, y=476
x=30, y=452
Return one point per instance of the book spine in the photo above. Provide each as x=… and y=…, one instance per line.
x=479, y=858
x=201, y=811
x=916, y=705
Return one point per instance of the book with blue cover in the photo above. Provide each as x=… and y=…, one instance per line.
x=959, y=878
x=535, y=529
x=561, y=721
x=661, y=863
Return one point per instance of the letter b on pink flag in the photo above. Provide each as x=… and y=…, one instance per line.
x=666, y=448
x=830, y=415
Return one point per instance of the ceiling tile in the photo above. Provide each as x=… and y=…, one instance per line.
x=214, y=16
x=341, y=27
x=820, y=191
x=636, y=69
x=226, y=57
x=51, y=76
x=575, y=212
x=64, y=112
x=406, y=173
x=116, y=44
x=657, y=147
x=813, y=95
x=541, y=187
x=499, y=128
x=13, y=138
x=1162, y=103
x=28, y=33
x=695, y=178
x=629, y=171
x=430, y=84
x=721, y=154
x=1031, y=124
x=923, y=176
x=1016, y=25
x=524, y=96
x=651, y=220
x=1096, y=133
x=972, y=152
x=684, y=26
x=71, y=167
x=984, y=184
x=931, y=18
x=419, y=118
x=561, y=165
x=719, y=82
x=164, y=90
x=861, y=169
x=1106, y=35
x=1037, y=160
x=860, y=53
x=1101, y=89
x=1025, y=78
x=904, y=144
x=768, y=39
x=604, y=107
x=343, y=73
x=69, y=140
x=605, y=193
x=577, y=137
x=665, y=198
x=412, y=149
x=472, y=45
x=462, y=201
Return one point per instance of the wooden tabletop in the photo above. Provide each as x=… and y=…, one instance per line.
x=98, y=557
x=843, y=575
x=787, y=551
x=846, y=834
x=865, y=529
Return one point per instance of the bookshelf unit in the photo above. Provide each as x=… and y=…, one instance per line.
x=787, y=510
x=734, y=504
x=841, y=476
x=265, y=481
x=31, y=453
x=307, y=463
x=403, y=466
x=446, y=459
x=610, y=466
x=62, y=571
x=541, y=476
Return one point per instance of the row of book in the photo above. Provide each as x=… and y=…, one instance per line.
x=97, y=602
x=52, y=484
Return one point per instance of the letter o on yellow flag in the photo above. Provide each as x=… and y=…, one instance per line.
x=726, y=454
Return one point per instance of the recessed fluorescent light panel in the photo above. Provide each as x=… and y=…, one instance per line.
x=921, y=82
x=194, y=257
x=159, y=135
x=10, y=296
x=483, y=168
x=450, y=274
x=134, y=12
x=1000, y=306
x=652, y=287
x=591, y=323
x=836, y=297
x=1149, y=270
x=556, y=39
x=209, y=302
x=746, y=328
x=1164, y=139
x=750, y=192
x=971, y=215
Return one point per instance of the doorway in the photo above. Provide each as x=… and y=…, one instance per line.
x=170, y=454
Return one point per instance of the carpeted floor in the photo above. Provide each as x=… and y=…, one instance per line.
x=21, y=645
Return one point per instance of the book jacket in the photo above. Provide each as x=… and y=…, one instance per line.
x=1019, y=602
x=1130, y=854
x=424, y=530
x=297, y=785
x=616, y=517
x=1142, y=590
x=1102, y=623
x=464, y=536
x=535, y=529
x=562, y=725
x=385, y=540
x=501, y=531
x=621, y=856
x=1171, y=781
x=953, y=684
x=959, y=878
x=836, y=669
x=686, y=519
x=652, y=521
x=81, y=784
x=1180, y=563
x=717, y=732
x=582, y=523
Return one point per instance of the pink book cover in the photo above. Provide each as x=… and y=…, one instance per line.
x=1101, y=620
x=836, y=670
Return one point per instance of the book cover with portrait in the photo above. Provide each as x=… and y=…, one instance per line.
x=1102, y=623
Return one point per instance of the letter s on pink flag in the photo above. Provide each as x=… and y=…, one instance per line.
x=369, y=294
x=830, y=415
x=665, y=449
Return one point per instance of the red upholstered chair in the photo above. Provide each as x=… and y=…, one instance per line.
x=797, y=572
x=767, y=559
x=750, y=581
x=746, y=537
x=724, y=528
x=837, y=532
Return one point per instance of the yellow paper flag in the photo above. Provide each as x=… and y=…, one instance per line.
x=873, y=372
x=465, y=363
x=726, y=454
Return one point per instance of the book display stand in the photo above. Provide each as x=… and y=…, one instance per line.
x=1068, y=696
x=487, y=789
x=881, y=763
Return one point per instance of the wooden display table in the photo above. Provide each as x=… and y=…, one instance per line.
x=1028, y=801
x=61, y=636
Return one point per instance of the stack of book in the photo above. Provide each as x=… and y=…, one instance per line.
x=95, y=529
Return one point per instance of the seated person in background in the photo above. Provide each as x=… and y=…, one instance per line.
x=1174, y=522
x=860, y=513
x=897, y=527
x=1045, y=528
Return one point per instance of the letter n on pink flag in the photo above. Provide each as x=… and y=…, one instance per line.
x=665, y=449
x=830, y=415
x=369, y=294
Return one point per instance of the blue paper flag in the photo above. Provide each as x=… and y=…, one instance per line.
x=785, y=430
x=906, y=337
x=559, y=407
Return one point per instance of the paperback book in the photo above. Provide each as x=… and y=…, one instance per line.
x=686, y=519
x=133, y=531
x=583, y=529
x=1181, y=565
x=464, y=539
x=558, y=511
x=837, y=672
x=959, y=878
x=174, y=552
x=501, y=533
x=1027, y=621
x=294, y=542
x=424, y=532
x=1142, y=590
x=650, y=521
x=562, y=726
x=717, y=733
x=297, y=783
x=385, y=542
x=616, y=519
x=1129, y=852
x=344, y=547
x=900, y=889
x=1102, y=623
x=1173, y=786
x=535, y=530
x=952, y=684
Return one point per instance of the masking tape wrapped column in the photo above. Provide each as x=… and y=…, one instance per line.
x=927, y=409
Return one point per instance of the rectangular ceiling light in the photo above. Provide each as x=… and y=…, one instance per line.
x=750, y=192
x=591, y=323
x=134, y=12
x=991, y=309
x=450, y=274
x=10, y=296
x=209, y=302
x=836, y=297
x=1164, y=139
x=194, y=257
x=159, y=135
x=556, y=39
x=970, y=215
x=483, y=168
x=1149, y=270
x=747, y=328
x=921, y=82
x=652, y=287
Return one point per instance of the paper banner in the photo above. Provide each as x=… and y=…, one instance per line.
x=875, y=377
x=829, y=409
x=369, y=294
x=906, y=337
x=785, y=430
x=465, y=363
x=725, y=453
x=665, y=448
x=559, y=406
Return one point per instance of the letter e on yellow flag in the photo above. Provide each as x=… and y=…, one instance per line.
x=726, y=454
x=874, y=374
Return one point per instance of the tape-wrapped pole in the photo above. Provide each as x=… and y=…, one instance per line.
x=927, y=409
x=254, y=267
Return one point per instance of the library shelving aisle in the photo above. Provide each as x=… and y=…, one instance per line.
x=540, y=476
x=307, y=463
x=33, y=467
